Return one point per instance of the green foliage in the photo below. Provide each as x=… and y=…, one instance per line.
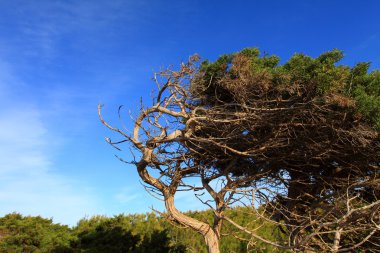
x=135, y=233
x=251, y=52
x=107, y=237
x=316, y=78
x=368, y=105
x=229, y=242
x=365, y=89
x=216, y=69
x=33, y=234
x=124, y=233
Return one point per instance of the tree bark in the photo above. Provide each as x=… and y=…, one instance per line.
x=335, y=247
x=210, y=236
x=212, y=242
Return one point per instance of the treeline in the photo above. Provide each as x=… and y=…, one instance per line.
x=135, y=233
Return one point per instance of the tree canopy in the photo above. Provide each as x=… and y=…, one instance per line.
x=133, y=233
x=309, y=124
x=297, y=142
x=33, y=234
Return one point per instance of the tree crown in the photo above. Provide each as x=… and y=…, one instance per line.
x=231, y=77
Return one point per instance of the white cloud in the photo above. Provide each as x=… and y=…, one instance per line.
x=42, y=26
x=29, y=181
x=45, y=39
x=127, y=196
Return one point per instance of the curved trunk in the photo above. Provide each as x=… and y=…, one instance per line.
x=212, y=242
x=210, y=236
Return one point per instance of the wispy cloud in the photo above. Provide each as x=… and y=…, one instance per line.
x=35, y=112
x=44, y=27
x=127, y=196
x=29, y=182
x=58, y=59
x=369, y=42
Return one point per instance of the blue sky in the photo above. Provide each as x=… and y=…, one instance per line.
x=59, y=59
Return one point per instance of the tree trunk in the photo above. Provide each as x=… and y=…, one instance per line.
x=210, y=236
x=212, y=242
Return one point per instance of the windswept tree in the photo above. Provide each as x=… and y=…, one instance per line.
x=298, y=143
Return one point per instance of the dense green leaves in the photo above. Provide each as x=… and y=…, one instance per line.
x=321, y=76
x=33, y=234
x=98, y=234
x=136, y=233
x=366, y=91
x=124, y=233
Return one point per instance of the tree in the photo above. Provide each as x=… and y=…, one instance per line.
x=33, y=234
x=121, y=233
x=106, y=236
x=298, y=143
